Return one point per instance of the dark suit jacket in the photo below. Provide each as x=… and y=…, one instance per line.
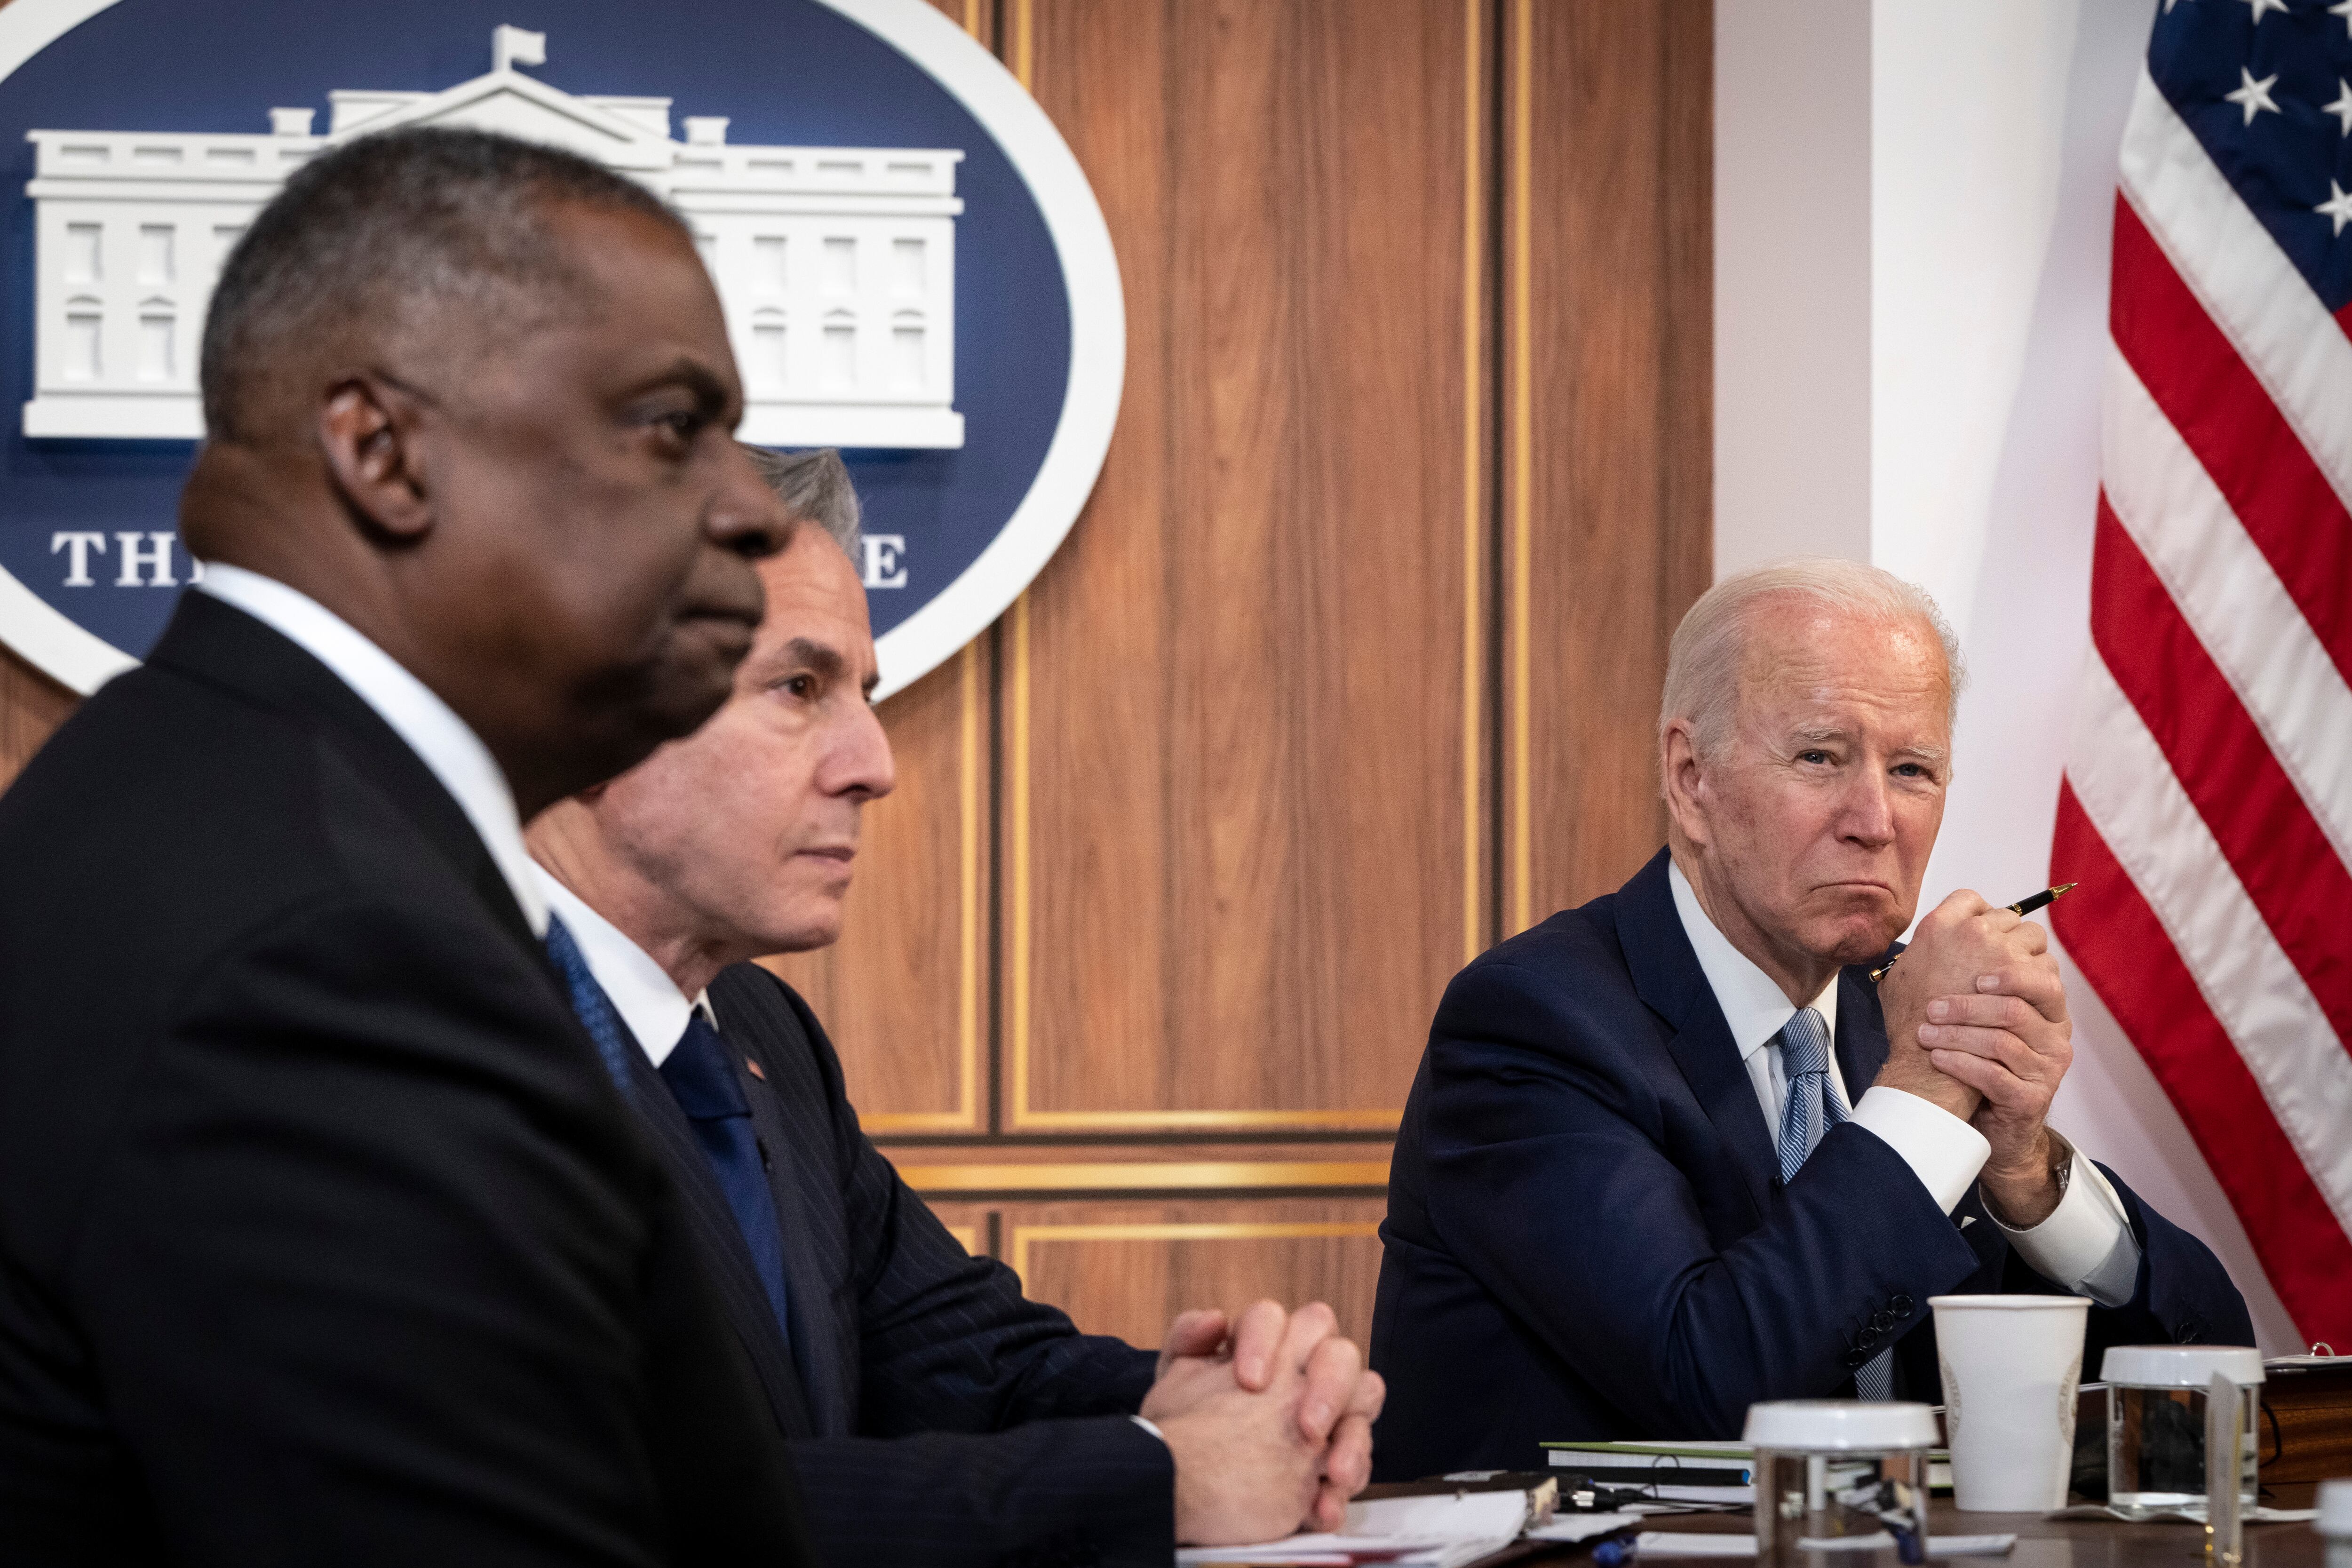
x=325, y=1238
x=936, y=1417
x=1587, y=1235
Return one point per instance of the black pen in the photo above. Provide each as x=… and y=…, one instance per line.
x=2024, y=906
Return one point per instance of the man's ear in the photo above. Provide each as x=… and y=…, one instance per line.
x=368, y=431
x=1684, y=781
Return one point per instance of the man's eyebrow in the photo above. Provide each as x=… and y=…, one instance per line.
x=1824, y=734
x=710, y=396
x=820, y=658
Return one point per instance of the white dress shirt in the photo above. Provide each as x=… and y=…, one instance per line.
x=443, y=741
x=640, y=990
x=2084, y=1245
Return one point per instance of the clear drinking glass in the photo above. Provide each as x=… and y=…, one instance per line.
x=1843, y=1473
x=2157, y=1397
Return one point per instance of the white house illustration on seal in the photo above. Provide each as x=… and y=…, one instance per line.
x=835, y=264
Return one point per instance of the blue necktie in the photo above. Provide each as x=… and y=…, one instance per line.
x=590, y=1003
x=704, y=1084
x=1811, y=1109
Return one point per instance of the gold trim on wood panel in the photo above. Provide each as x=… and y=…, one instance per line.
x=965, y=1117
x=1017, y=723
x=1149, y=1176
x=971, y=25
x=967, y=1237
x=1019, y=1114
x=1051, y=1120
x=1522, y=464
x=1017, y=811
x=1024, y=1236
x=1472, y=518
x=968, y=880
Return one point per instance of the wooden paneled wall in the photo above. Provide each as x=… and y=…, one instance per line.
x=1351, y=666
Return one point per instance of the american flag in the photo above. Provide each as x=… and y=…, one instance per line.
x=2207, y=807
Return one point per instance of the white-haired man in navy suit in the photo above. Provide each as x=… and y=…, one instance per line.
x=1681, y=1149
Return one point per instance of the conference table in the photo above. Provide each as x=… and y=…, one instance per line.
x=2041, y=1542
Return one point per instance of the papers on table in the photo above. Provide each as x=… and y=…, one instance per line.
x=1345, y=1552
x=2189, y=1513
x=1691, y=1543
x=1434, y=1530
x=1582, y=1526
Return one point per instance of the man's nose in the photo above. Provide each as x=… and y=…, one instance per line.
x=748, y=518
x=859, y=763
x=1869, y=812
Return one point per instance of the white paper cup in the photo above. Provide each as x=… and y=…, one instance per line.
x=2011, y=1366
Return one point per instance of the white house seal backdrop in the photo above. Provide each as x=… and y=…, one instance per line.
x=870, y=301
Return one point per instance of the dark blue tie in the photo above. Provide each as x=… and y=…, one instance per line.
x=705, y=1087
x=704, y=1084
x=590, y=1003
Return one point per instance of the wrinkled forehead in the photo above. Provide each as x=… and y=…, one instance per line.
x=1803, y=664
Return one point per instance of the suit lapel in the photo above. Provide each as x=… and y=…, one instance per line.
x=216, y=643
x=1861, y=1033
x=1668, y=979
x=713, y=1221
x=807, y=1285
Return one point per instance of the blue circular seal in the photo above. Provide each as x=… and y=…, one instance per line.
x=913, y=267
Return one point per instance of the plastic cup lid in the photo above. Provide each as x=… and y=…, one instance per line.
x=2019, y=1303
x=1839, y=1425
x=2180, y=1366
x=2334, y=1507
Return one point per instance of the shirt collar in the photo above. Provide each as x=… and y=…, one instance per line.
x=1753, y=1004
x=444, y=741
x=640, y=990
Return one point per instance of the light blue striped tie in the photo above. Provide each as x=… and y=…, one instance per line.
x=1811, y=1109
x=1811, y=1112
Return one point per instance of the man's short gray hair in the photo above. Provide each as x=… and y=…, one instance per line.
x=814, y=488
x=1702, y=663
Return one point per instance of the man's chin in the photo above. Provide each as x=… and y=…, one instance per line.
x=802, y=933
x=691, y=683
x=1859, y=941
x=619, y=722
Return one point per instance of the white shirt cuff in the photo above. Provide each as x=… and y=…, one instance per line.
x=1944, y=1151
x=1147, y=1426
x=2084, y=1245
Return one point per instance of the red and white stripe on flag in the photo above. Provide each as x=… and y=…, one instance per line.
x=2207, y=807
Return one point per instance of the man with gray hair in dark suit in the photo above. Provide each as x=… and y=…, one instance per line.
x=935, y=1415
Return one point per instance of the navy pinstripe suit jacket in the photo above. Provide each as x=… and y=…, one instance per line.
x=935, y=1416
